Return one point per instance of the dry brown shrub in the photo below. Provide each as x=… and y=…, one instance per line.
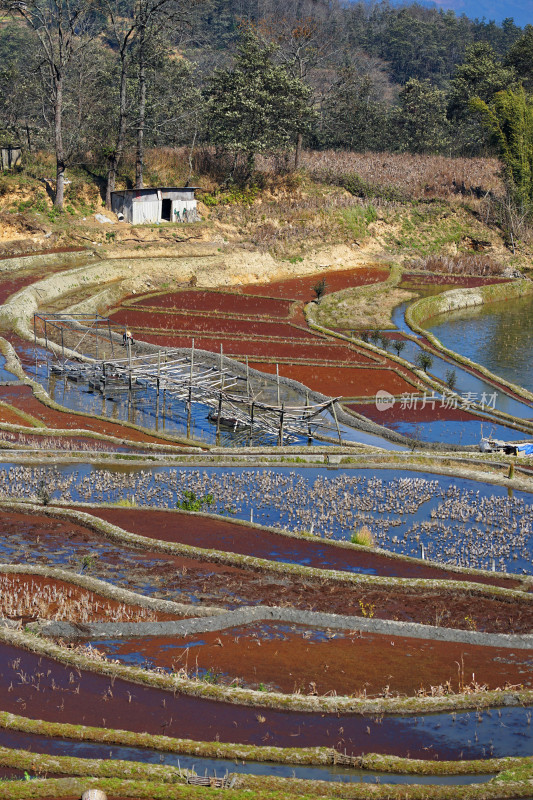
x=412, y=176
x=479, y=264
x=415, y=176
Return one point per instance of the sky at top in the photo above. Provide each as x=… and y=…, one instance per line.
x=520, y=10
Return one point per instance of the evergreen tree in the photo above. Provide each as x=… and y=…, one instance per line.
x=256, y=107
x=352, y=115
x=421, y=118
x=520, y=57
x=480, y=75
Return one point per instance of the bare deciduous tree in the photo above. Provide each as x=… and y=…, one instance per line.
x=63, y=28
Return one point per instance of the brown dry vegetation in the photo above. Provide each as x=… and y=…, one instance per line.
x=336, y=197
x=27, y=598
x=460, y=264
x=415, y=176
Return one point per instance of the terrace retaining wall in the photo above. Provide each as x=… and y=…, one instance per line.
x=250, y=614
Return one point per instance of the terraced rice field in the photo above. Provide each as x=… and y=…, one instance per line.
x=266, y=324
x=317, y=613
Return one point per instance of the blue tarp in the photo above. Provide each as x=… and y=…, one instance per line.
x=526, y=448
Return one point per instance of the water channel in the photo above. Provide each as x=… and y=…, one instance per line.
x=220, y=766
x=499, y=336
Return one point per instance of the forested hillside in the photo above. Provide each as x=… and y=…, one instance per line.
x=98, y=83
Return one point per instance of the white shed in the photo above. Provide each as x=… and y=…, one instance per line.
x=164, y=204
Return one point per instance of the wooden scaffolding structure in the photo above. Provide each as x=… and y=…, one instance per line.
x=172, y=375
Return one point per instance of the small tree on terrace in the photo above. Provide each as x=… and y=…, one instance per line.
x=398, y=345
x=423, y=360
x=256, y=107
x=320, y=289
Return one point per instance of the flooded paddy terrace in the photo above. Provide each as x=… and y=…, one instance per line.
x=451, y=520
x=457, y=521
x=199, y=577
x=60, y=693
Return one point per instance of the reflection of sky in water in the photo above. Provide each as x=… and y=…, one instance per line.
x=4, y=374
x=460, y=521
x=497, y=335
x=218, y=766
x=455, y=431
x=170, y=416
x=466, y=382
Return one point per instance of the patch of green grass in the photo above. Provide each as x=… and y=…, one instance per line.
x=192, y=502
x=230, y=197
x=428, y=228
x=355, y=220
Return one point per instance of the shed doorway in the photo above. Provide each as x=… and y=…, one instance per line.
x=166, y=209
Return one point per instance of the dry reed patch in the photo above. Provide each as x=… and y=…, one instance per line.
x=478, y=264
x=414, y=176
x=24, y=598
x=67, y=443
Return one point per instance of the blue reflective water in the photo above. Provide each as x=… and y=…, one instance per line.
x=466, y=382
x=459, y=521
x=220, y=766
x=497, y=335
x=5, y=375
x=169, y=415
x=352, y=435
x=461, y=432
x=398, y=318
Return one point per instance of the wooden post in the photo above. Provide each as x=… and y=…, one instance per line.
x=221, y=366
x=247, y=378
x=281, y=414
x=277, y=379
x=62, y=347
x=309, y=434
x=218, y=416
x=45, y=334
x=336, y=422
x=252, y=421
x=97, y=337
x=110, y=338
x=128, y=345
x=158, y=371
